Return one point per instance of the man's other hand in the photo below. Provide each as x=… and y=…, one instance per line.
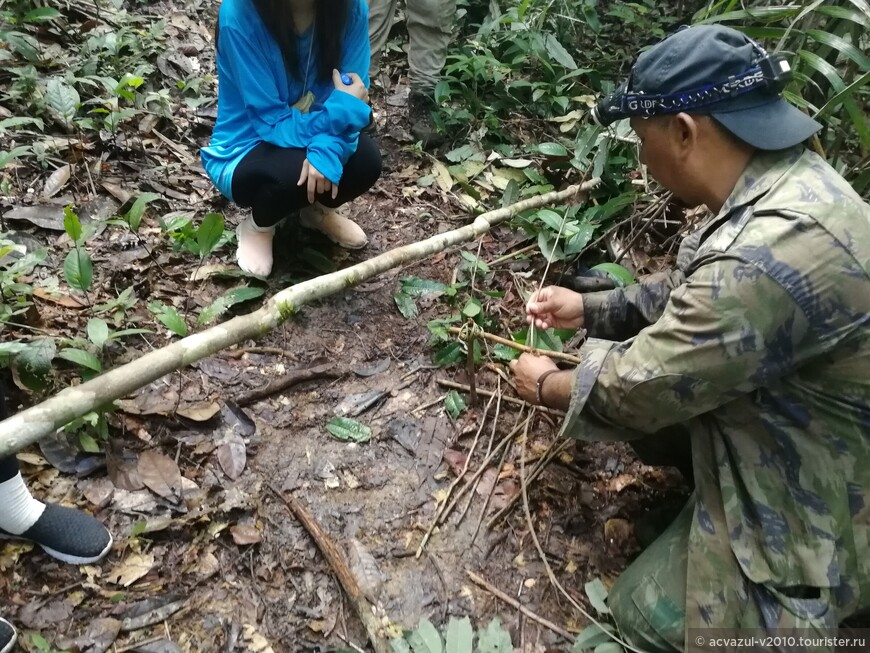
x=527, y=370
x=555, y=307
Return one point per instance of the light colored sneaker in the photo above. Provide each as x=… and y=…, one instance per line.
x=254, y=252
x=333, y=225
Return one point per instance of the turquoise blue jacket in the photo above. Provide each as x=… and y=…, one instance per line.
x=255, y=96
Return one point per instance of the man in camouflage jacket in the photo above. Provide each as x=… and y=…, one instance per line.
x=754, y=355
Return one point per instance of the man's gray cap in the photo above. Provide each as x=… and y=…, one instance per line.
x=709, y=54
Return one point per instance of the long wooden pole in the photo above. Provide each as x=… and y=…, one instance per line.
x=39, y=421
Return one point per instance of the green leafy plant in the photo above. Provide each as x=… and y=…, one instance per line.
x=349, y=430
x=230, y=298
x=458, y=637
x=200, y=240
x=412, y=288
x=169, y=317
x=78, y=267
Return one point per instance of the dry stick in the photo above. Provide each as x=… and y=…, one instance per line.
x=488, y=498
x=335, y=558
x=568, y=358
x=492, y=589
x=238, y=353
x=456, y=481
x=293, y=377
x=550, y=574
x=554, y=450
x=488, y=450
x=486, y=393
x=41, y=420
x=660, y=207
x=483, y=466
x=508, y=257
x=428, y=404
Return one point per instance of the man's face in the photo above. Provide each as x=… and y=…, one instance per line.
x=666, y=150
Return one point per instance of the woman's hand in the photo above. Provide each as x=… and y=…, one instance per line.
x=355, y=88
x=555, y=307
x=317, y=183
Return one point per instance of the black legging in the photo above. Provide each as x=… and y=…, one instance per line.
x=266, y=180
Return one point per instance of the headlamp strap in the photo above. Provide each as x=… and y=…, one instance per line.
x=772, y=72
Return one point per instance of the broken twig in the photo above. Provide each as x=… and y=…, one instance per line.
x=293, y=377
x=456, y=480
x=497, y=593
x=444, y=383
x=558, y=355
x=339, y=565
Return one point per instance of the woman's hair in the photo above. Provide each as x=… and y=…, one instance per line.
x=331, y=17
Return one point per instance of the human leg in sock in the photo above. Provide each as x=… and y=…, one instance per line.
x=66, y=534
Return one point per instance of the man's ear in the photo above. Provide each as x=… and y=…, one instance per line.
x=684, y=132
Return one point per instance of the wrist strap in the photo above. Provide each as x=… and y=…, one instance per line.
x=540, y=385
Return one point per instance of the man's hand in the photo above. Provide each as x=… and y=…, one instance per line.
x=555, y=307
x=317, y=183
x=355, y=88
x=527, y=369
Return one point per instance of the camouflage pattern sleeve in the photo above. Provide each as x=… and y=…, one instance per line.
x=728, y=330
x=621, y=313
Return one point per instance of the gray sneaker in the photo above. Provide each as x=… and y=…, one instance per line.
x=7, y=636
x=66, y=534
x=420, y=108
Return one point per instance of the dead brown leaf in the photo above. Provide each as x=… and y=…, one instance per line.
x=199, y=412
x=61, y=300
x=98, y=491
x=117, y=191
x=364, y=568
x=160, y=474
x=246, y=534
x=232, y=455
x=99, y=636
x=39, y=615
x=57, y=180
x=455, y=460
x=136, y=566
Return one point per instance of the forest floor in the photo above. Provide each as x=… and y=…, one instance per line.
x=206, y=556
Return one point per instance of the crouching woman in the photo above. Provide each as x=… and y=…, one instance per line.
x=292, y=101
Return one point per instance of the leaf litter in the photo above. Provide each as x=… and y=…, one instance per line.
x=240, y=565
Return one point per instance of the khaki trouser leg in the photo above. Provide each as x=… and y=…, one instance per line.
x=430, y=27
x=381, y=13
x=648, y=601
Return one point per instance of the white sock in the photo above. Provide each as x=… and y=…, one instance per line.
x=254, y=252
x=18, y=509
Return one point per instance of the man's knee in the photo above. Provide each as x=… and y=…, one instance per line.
x=645, y=615
x=436, y=15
